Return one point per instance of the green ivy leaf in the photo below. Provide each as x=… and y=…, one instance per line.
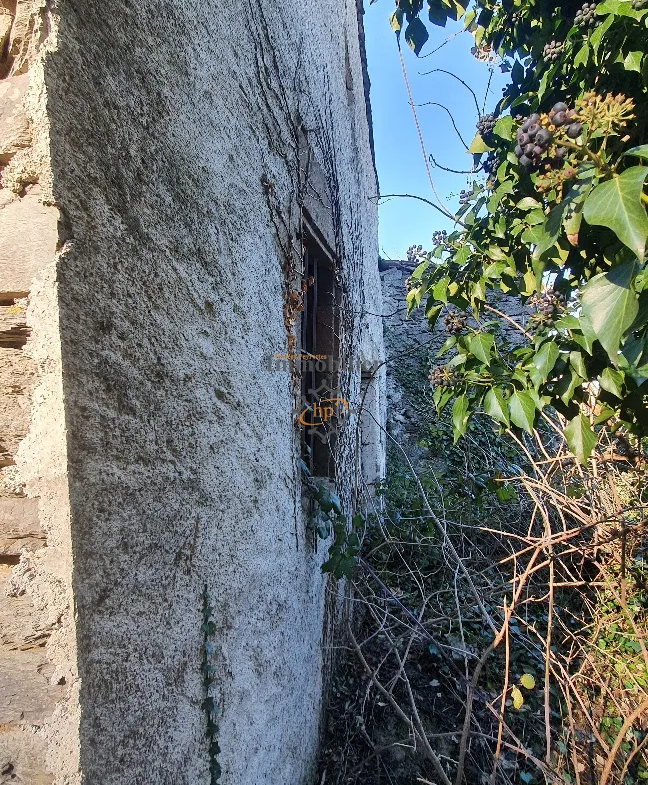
x=440, y=290
x=504, y=127
x=528, y=203
x=449, y=343
x=495, y=406
x=543, y=362
x=432, y=312
x=599, y=32
x=502, y=190
x=416, y=35
x=632, y=61
x=420, y=269
x=634, y=359
x=617, y=205
x=582, y=56
x=578, y=363
x=569, y=381
x=580, y=437
x=480, y=345
x=478, y=145
x=639, y=152
x=610, y=305
x=612, y=381
x=522, y=409
x=547, y=234
x=460, y=417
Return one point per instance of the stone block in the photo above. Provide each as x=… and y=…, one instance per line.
x=14, y=125
x=22, y=757
x=28, y=237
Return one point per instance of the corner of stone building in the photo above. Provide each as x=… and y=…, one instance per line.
x=38, y=679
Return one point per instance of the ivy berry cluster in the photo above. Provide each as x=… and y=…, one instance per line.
x=485, y=125
x=444, y=376
x=414, y=253
x=639, y=5
x=553, y=51
x=586, y=17
x=440, y=237
x=455, y=323
x=549, y=305
x=464, y=197
x=532, y=143
x=562, y=116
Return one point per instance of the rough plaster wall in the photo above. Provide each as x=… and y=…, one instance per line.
x=176, y=174
x=37, y=653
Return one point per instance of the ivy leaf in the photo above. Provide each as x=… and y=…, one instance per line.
x=578, y=363
x=632, y=61
x=437, y=13
x=634, y=359
x=396, y=21
x=478, y=145
x=418, y=272
x=517, y=74
x=640, y=152
x=449, y=343
x=582, y=55
x=600, y=31
x=528, y=203
x=416, y=35
x=569, y=381
x=432, y=312
x=459, y=417
x=522, y=409
x=517, y=698
x=612, y=381
x=500, y=192
x=440, y=290
x=580, y=437
x=543, y=362
x=547, y=234
x=610, y=305
x=527, y=681
x=617, y=205
x=495, y=406
x=504, y=126
x=480, y=345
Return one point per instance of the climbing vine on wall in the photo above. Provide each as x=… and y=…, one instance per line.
x=556, y=216
x=209, y=683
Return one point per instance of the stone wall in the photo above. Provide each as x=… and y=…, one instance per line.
x=412, y=348
x=153, y=185
x=37, y=647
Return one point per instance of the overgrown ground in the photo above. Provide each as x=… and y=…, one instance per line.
x=500, y=624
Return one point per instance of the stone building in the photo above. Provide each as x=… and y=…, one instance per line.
x=186, y=196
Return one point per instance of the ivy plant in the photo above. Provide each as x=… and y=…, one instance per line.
x=558, y=220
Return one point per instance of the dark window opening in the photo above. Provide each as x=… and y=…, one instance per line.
x=319, y=355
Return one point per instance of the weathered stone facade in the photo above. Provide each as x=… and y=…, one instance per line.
x=412, y=349
x=158, y=159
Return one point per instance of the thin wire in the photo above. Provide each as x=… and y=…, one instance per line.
x=442, y=207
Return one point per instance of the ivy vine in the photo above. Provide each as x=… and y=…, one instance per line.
x=208, y=670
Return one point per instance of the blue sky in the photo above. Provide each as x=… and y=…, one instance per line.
x=399, y=159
